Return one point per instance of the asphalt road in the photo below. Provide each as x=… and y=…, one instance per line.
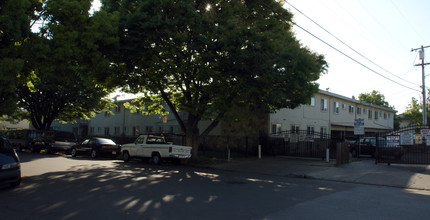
x=61, y=187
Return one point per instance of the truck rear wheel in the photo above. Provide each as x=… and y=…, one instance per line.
x=156, y=159
x=126, y=156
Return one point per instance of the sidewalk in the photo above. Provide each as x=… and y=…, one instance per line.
x=363, y=171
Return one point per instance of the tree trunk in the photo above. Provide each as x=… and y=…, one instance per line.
x=192, y=139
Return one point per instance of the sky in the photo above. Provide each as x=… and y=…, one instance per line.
x=377, y=34
x=367, y=44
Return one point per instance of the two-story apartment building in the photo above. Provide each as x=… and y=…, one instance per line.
x=327, y=113
x=330, y=113
x=123, y=123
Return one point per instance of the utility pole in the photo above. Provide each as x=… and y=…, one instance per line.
x=421, y=51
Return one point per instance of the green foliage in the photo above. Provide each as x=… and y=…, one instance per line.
x=147, y=105
x=375, y=98
x=204, y=57
x=413, y=113
x=15, y=17
x=63, y=62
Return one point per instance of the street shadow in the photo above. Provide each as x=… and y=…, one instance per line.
x=27, y=156
x=137, y=190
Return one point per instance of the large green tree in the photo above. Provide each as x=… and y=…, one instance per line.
x=374, y=97
x=63, y=60
x=15, y=23
x=202, y=58
x=413, y=113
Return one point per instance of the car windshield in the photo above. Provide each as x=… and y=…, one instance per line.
x=372, y=141
x=105, y=141
x=86, y=141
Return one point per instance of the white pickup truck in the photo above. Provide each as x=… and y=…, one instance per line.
x=155, y=148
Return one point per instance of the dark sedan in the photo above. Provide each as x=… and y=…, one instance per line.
x=10, y=169
x=96, y=146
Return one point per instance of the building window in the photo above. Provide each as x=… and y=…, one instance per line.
x=107, y=114
x=99, y=130
x=116, y=130
x=310, y=130
x=312, y=101
x=364, y=111
x=91, y=130
x=343, y=106
x=324, y=105
x=336, y=107
x=276, y=128
x=106, y=131
x=323, y=132
x=351, y=109
x=369, y=116
x=295, y=128
x=136, y=131
x=376, y=115
x=385, y=115
x=148, y=128
x=358, y=111
x=118, y=109
x=389, y=115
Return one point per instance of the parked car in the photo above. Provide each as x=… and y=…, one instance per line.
x=54, y=141
x=22, y=138
x=96, y=146
x=366, y=146
x=10, y=168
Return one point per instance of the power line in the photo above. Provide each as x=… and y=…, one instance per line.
x=406, y=19
x=347, y=44
x=383, y=26
x=334, y=48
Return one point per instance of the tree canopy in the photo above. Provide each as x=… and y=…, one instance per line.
x=413, y=113
x=204, y=57
x=63, y=61
x=376, y=98
x=15, y=22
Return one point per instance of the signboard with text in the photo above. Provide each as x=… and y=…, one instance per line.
x=425, y=136
x=393, y=140
x=359, y=127
x=407, y=138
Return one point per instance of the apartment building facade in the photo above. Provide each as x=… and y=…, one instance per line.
x=330, y=113
x=327, y=113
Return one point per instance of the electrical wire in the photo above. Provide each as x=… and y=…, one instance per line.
x=382, y=26
x=334, y=48
x=348, y=45
x=406, y=19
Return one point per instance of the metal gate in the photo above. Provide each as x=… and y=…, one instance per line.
x=300, y=143
x=409, y=145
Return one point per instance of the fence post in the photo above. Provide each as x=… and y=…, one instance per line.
x=259, y=151
x=327, y=154
x=228, y=149
x=377, y=148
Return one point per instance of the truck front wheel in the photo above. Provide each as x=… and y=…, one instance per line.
x=156, y=159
